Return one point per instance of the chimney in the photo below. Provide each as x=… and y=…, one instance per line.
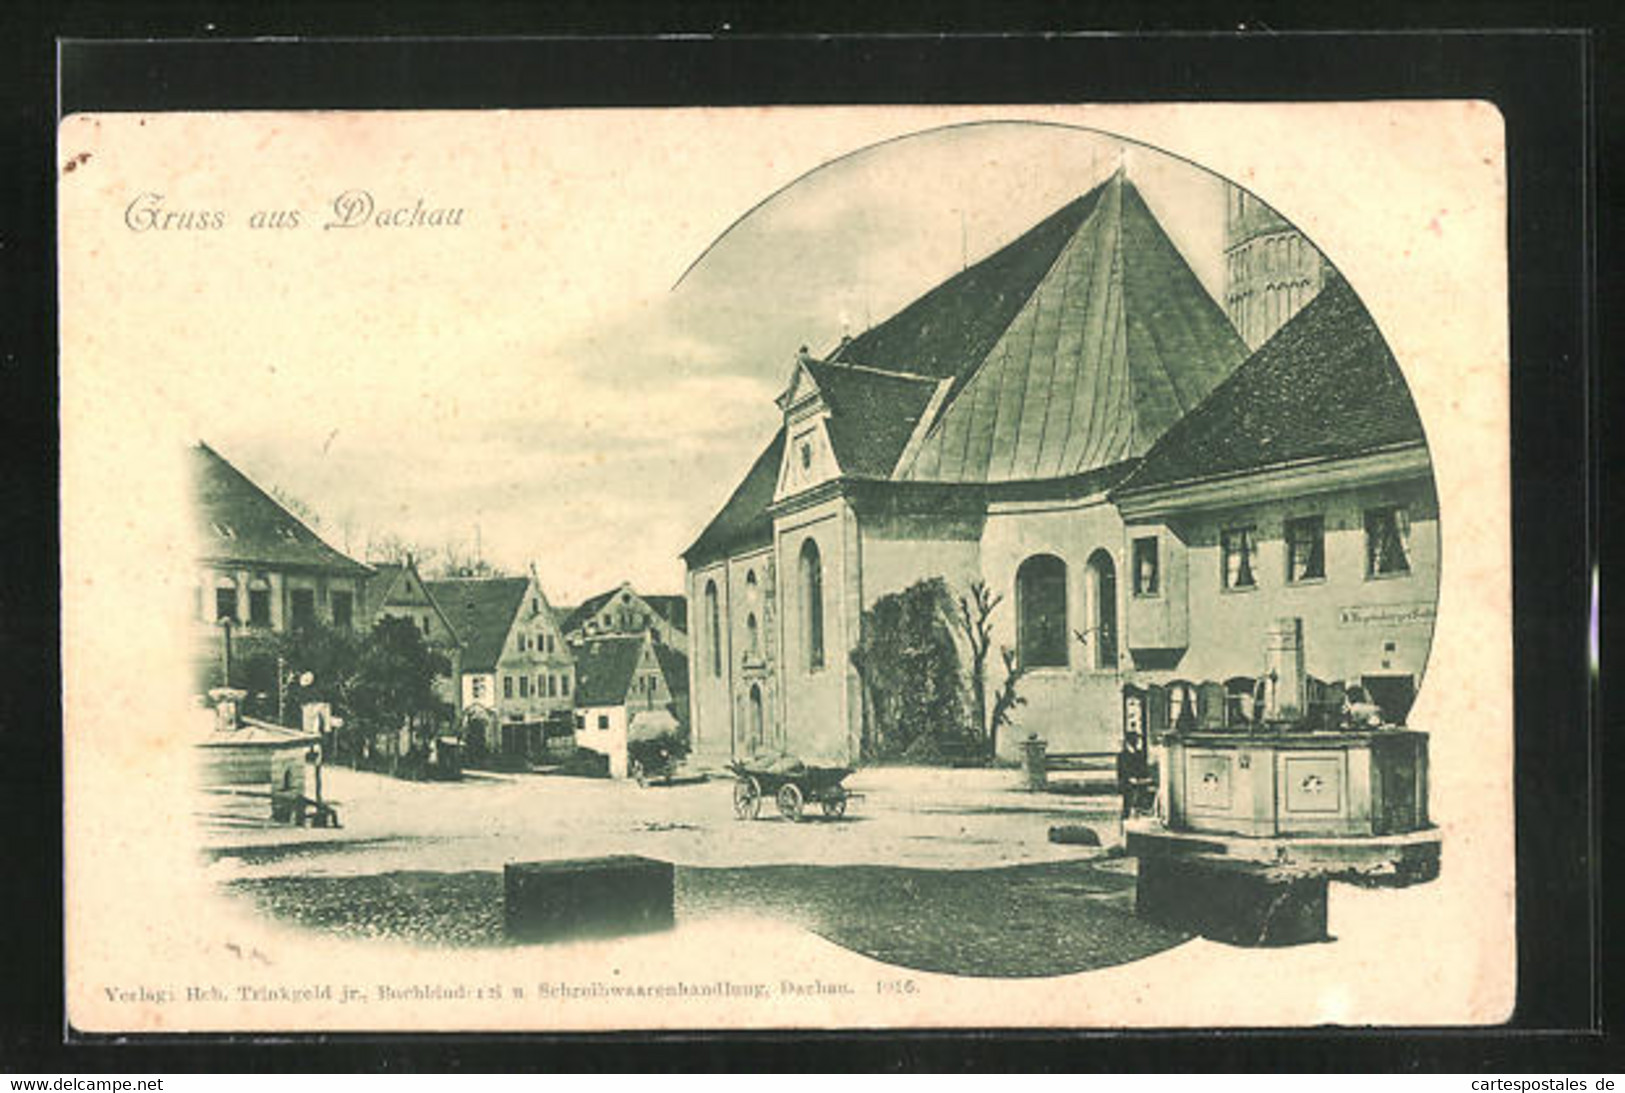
x=802, y=355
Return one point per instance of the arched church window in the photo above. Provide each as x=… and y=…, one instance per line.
x=812, y=606
x=713, y=630
x=753, y=637
x=1103, y=623
x=1041, y=612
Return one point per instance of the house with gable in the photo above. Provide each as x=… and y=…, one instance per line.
x=624, y=611
x=397, y=590
x=261, y=572
x=990, y=431
x=517, y=675
x=620, y=680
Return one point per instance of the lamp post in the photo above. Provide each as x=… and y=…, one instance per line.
x=225, y=649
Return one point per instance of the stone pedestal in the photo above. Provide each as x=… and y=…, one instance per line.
x=1239, y=903
x=587, y=898
x=1035, y=773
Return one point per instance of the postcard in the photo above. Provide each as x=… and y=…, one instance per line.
x=786, y=568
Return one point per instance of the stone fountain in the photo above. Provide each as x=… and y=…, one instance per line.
x=1256, y=820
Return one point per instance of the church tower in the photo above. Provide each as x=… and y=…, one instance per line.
x=1271, y=270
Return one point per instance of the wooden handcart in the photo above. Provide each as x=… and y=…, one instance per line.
x=793, y=787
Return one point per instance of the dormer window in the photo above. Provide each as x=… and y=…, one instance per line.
x=225, y=531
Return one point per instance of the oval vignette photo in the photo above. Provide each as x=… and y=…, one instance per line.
x=985, y=553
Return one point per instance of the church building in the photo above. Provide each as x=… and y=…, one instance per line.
x=1073, y=409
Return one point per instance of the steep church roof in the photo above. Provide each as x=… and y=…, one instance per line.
x=949, y=331
x=743, y=520
x=240, y=523
x=1324, y=386
x=1069, y=350
x=1113, y=344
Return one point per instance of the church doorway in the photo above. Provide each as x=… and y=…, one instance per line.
x=753, y=743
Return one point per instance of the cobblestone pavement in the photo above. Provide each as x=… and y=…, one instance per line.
x=939, y=870
x=1026, y=920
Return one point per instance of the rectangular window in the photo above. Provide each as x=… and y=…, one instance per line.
x=259, y=607
x=425, y=621
x=524, y=686
x=1239, y=547
x=565, y=685
x=343, y=610
x=303, y=604
x=479, y=689
x=1305, y=549
x=1147, y=570
x=225, y=603
x=507, y=686
x=603, y=721
x=1387, y=531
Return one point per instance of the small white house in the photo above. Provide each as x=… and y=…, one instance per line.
x=617, y=679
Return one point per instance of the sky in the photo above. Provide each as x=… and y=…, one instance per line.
x=580, y=373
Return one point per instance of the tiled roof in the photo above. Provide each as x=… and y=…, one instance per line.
x=237, y=522
x=381, y=583
x=574, y=618
x=872, y=414
x=1108, y=349
x=386, y=578
x=674, y=609
x=674, y=666
x=481, y=610
x=743, y=521
x=1325, y=385
x=604, y=669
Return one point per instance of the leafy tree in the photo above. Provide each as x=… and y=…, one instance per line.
x=319, y=663
x=394, y=684
x=909, y=665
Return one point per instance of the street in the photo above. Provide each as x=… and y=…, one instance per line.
x=943, y=870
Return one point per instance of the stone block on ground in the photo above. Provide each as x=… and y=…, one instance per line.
x=1074, y=835
x=1239, y=903
x=587, y=898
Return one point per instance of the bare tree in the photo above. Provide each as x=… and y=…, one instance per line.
x=1005, y=702
x=974, y=621
x=306, y=514
x=387, y=546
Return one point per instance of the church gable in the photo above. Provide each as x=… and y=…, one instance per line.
x=809, y=458
x=801, y=395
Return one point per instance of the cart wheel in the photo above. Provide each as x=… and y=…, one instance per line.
x=790, y=801
x=747, y=799
x=835, y=804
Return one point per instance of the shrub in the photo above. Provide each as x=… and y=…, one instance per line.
x=909, y=664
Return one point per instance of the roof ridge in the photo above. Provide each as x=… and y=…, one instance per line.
x=889, y=373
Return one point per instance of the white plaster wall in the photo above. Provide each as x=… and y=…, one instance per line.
x=1075, y=708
